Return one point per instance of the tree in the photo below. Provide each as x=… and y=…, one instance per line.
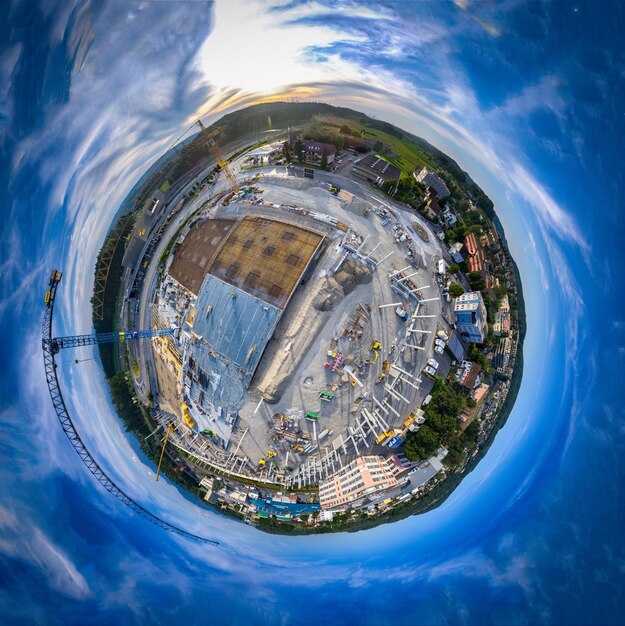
x=455, y=290
x=444, y=421
x=378, y=146
x=325, y=135
x=500, y=291
x=486, y=204
x=299, y=150
x=479, y=357
x=476, y=281
x=286, y=151
x=455, y=449
x=324, y=159
x=422, y=444
x=454, y=268
x=472, y=431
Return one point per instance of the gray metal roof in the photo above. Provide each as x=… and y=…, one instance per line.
x=132, y=255
x=375, y=165
x=422, y=475
x=231, y=331
x=233, y=323
x=456, y=347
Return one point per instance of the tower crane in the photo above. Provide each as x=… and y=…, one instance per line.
x=75, y=341
x=51, y=347
x=223, y=164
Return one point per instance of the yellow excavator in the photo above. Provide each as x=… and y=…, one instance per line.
x=375, y=346
x=188, y=420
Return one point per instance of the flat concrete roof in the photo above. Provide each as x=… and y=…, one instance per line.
x=265, y=257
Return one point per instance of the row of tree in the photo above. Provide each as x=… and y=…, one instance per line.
x=440, y=425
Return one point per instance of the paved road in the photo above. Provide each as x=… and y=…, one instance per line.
x=146, y=294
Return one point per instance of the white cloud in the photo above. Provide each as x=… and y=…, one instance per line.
x=119, y=118
x=27, y=543
x=276, y=54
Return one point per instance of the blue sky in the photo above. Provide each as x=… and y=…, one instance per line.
x=517, y=93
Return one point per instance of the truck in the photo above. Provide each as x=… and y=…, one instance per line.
x=384, y=436
x=395, y=441
x=402, y=313
x=323, y=434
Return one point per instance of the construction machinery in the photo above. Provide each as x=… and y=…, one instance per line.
x=188, y=420
x=209, y=136
x=50, y=348
x=384, y=436
x=328, y=396
x=375, y=347
x=169, y=429
x=409, y=419
x=402, y=313
x=381, y=438
x=75, y=341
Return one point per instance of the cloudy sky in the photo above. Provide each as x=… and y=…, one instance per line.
x=91, y=94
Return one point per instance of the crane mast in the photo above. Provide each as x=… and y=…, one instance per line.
x=223, y=164
x=50, y=347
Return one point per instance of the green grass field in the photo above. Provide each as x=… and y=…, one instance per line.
x=407, y=155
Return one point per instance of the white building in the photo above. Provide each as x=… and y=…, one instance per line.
x=471, y=317
x=502, y=324
x=263, y=155
x=449, y=217
x=430, y=179
x=456, y=251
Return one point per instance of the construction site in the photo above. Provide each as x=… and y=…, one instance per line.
x=306, y=319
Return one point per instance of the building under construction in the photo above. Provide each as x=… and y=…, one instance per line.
x=244, y=274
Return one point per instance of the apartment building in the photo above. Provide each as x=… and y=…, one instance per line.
x=364, y=476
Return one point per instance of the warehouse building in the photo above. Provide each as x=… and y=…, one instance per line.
x=376, y=170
